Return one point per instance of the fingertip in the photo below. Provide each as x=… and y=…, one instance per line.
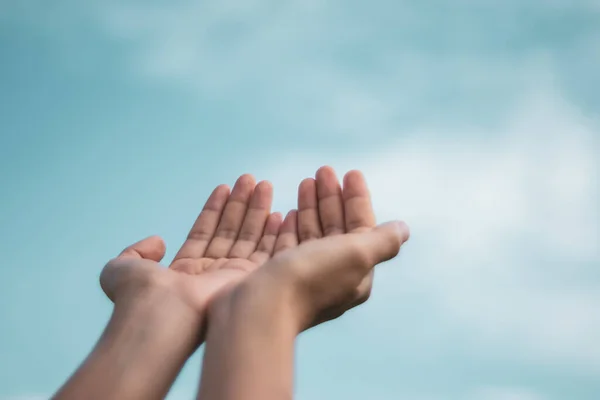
x=219, y=194
x=327, y=183
x=390, y=237
x=290, y=221
x=307, y=184
x=245, y=180
x=156, y=240
x=265, y=188
x=273, y=223
x=222, y=188
x=217, y=199
x=276, y=216
x=243, y=188
x=246, y=177
x=307, y=193
x=355, y=185
x=324, y=171
x=354, y=176
x=158, y=246
x=287, y=236
x=400, y=228
x=262, y=196
x=291, y=214
x=265, y=184
x=397, y=226
x=151, y=248
x=405, y=229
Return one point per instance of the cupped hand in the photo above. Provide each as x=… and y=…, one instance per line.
x=234, y=234
x=331, y=271
x=327, y=209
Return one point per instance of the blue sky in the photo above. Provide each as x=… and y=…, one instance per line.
x=477, y=122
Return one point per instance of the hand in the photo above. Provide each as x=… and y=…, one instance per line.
x=157, y=321
x=331, y=271
x=234, y=234
x=253, y=326
x=325, y=210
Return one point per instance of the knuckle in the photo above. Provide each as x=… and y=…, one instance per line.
x=263, y=247
x=305, y=235
x=332, y=229
x=247, y=236
x=227, y=233
x=199, y=235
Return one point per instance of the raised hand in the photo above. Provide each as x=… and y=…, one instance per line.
x=234, y=234
x=253, y=326
x=159, y=315
x=325, y=210
x=331, y=271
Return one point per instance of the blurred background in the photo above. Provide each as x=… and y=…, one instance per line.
x=477, y=122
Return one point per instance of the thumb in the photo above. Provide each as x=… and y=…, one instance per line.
x=353, y=251
x=383, y=242
x=152, y=248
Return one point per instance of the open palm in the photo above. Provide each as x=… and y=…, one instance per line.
x=326, y=209
x=234, y=234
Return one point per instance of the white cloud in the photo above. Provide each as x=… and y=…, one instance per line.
x=291, y=57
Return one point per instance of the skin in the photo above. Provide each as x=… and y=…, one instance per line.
x=160, y=315
x=234, y=234
x=250, y=342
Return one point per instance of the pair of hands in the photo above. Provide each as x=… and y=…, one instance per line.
x=318, y=259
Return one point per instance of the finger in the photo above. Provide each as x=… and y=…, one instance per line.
x=254, y=221
x=330, y=202
x=266, y=246
x=232, y=218
x=309, y=226
x=350, y=257
x=358, y=211
x=152, y=248
x=383, y=242
x=288, y=233
x=205, y=226
x=335, y=264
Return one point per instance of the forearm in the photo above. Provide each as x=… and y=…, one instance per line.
x=140, y=353
x=249, y=350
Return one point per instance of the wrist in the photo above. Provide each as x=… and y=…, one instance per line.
x=144, y=346
x=250, y=344
x=262, y=301
x=165, y=313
